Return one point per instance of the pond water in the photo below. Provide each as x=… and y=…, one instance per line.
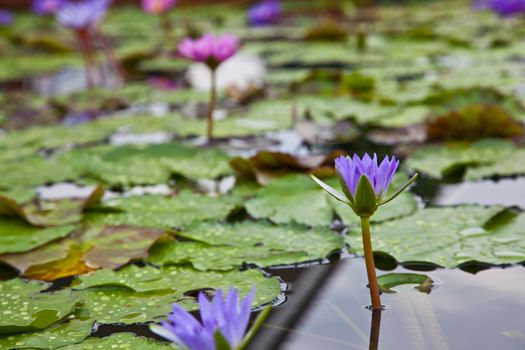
x=326, y=309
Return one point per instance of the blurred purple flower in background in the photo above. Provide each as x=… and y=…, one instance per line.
x=265, y=12
x=349, y=170
x=83, y=15
x=157, y=6
x=504, y=8
x=47, y=7
x=229, y=317
x=6, y=18
x=210, y=49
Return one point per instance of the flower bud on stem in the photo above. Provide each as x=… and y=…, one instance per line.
x=370, y=266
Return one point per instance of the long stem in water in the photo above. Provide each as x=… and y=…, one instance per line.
x=213, y=102
x=370, y=266
x=167, y=27
x=88, y=55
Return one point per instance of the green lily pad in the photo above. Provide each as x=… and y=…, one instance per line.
x=136, y=294
x=223, y=247
x=449, y=236
x=96, y=247
x=165, y=212
x=479, y=159
x=70, y=332
x=18, y=236
x=151, y=164
x=294, y=198
x=390, y=280
x=24, y=308
x=120, y=341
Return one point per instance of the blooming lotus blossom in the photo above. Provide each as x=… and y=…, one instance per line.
x=157, y=6
x=504, y=8
x=365, y=184
x=350, y=171
x=47, y=7
x=210, y=49
x=265, y=12
x=83, y=15
x=228, y=317
x=6, y=18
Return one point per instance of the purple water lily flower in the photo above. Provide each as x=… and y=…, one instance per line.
x=265, y=12
x=157, y=7
x=504, y=8
x=350, y=171
x=210, y=49
x=83, y=15
x=229, y=317
x=47, y=7
x=6, y=18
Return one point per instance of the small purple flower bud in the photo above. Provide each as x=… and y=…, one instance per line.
x=209, y=49
x=264, y=13
x=6, y=18
x=47, y=7
x=157, y=7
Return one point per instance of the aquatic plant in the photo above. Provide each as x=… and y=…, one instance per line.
x=47, y=7
x=365, y=185
x=83, y=18
x=211, y=50
x=264, y=13
x=6, y=18
x=504, y=8
x=223, y=323
x=161, y=9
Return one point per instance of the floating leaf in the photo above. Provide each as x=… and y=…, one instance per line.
x=71, y=331
x=120, y=341
x=17, y=236
x=50, y=213
x=449, y=236
x=266, y=165
x=227, y=246
x=110, y=247
x=294, y=198
x=24, y=308
x=136, y=294
x=481, y=158
x=165, y=212
x=390, y=280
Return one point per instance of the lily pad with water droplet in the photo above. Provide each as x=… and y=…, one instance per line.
x=71, y=331
x=165, y=212
x=120, y=341
x=24, y=308
x=224, y=246
x=140, y=294
x=450, y=236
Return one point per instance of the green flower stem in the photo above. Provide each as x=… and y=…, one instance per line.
x=167, y=27
x=370, y=266
x=213, y=102
x=88, y=55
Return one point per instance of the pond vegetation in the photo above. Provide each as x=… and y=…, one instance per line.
x=169, y=154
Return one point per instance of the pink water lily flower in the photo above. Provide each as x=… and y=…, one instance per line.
x=210, y=49
x=157, y=7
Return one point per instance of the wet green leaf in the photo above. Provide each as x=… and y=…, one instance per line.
x=71, y=331
x=136, y=294
x=448, y=236
x=390, y=280
x=120, y=341
x=225, y=246
x=24, y=308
